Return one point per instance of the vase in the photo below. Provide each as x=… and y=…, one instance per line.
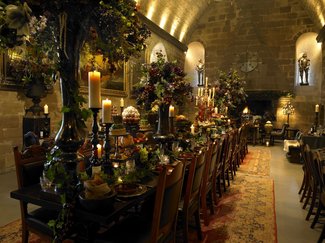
x=163, y=120
x=35, y=90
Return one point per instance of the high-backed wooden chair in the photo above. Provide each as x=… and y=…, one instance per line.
x=162, y=227
x=29, y=168
x=208, y=191
x=219, y=163
x=227, y=164
x=190, y=206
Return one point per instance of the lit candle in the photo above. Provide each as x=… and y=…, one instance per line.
x=171, y=111
x=317, y=108
x=94, y=89
x=216, y=110
x=99, y=151
x=213, y=91
x=229, y=121
x=192, y=129
x=122, y=102
x=46, y=109
x=106, y=110
x=206, y=81
x=226, y=110
x=196, y=100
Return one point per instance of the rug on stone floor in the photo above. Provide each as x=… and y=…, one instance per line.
x=11, y=233
x=245, y=213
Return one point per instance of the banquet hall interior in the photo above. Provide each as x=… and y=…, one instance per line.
x=112, y=98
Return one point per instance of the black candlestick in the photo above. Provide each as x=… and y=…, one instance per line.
x=171, y=125
x=316, y=121
x=107, y=165
x=94, y=139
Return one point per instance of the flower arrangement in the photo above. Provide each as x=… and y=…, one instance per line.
x=32, y=53
x=230, y=90
x=162, y=82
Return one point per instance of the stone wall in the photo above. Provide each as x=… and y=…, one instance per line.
x=262, y=34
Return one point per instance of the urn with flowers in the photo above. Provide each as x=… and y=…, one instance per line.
x=162, y=83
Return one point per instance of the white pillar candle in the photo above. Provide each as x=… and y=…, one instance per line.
x=317, y=108
x=94, y=89
x=46, y=109
x=192, y=129
x=122, y=102
x=171, y=111
x=99, y=151
x=106, y=111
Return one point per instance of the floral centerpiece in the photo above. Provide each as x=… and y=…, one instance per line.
x=230, y=90
x=162, y=83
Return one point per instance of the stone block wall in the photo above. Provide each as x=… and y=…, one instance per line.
x=238, y=32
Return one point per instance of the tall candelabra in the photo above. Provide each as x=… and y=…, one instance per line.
x=205, y=101
x=94, y=160
x=288, y=110
x=107, y=165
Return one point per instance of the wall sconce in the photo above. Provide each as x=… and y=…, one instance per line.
x=200, y=72
x=288, y=110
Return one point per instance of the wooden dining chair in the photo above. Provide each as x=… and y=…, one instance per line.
x=219, y=163
x=162, y=226
x=190, y=205
x=226, y=167
x=208, y=190
x=29, y=168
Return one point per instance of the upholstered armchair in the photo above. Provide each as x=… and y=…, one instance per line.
x=279, y=134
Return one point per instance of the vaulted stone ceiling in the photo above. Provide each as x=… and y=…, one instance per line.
x=180, y=17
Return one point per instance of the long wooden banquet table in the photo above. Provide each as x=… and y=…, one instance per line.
x=105, y=216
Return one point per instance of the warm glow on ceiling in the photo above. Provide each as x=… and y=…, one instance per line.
x=183, y=32
x=173, y=28
x=163, y=20
x=151, y=10
x=319, y=12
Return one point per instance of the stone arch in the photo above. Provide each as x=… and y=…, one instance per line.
x=195, y=52
x=158, y=47
x=306, y=43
